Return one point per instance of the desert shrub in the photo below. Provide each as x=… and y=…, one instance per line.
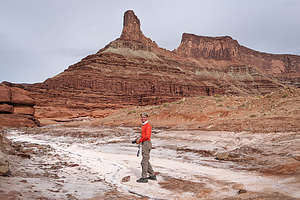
x=165, y=105
x=131, y=112
x=268, y=96
x=217, y=95
x=181, y=101
x=242, y=106
x=219, y=100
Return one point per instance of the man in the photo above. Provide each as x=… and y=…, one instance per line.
x=146, y=148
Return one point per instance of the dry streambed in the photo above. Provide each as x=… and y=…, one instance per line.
x=56, y=162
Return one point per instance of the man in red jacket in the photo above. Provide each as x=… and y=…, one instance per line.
x=146, y=148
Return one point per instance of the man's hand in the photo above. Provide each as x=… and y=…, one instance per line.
x=138, y=140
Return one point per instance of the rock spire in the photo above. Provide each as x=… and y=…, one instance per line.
x=132, y=31
x=131, y=27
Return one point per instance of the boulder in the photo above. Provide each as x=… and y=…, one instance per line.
x=125, y=179
x=16, y=107
x=5, y=144
x=26, y=110
x=222, y=156
x=4, y=165
x=5, y=108
x=20, y=97
x=296, y=156
x=17, y=120
x=5, y=94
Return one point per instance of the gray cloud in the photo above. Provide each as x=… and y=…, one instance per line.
x=39, y=39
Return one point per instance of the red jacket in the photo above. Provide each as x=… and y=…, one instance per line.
x=146, y=132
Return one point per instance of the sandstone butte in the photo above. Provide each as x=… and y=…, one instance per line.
x=134, y=70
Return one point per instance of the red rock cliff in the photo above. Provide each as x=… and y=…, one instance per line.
x=218, y=48
x=222, y=52
x=133, y=70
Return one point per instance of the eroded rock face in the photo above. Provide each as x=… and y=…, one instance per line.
x=218, y=48
x=16, y=108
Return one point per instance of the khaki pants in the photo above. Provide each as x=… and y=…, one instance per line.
x=146, y=166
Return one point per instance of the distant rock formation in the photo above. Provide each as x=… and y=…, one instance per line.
x=225, y=52
x=132, y=30
x=217, y=48
x=134, y=70
x=131, y=39
x=16, y=108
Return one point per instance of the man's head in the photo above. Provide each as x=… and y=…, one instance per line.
x=144, y=117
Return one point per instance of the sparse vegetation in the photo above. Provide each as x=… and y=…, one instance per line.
x=242, y=106
x=181, y=101
x=218, y=96
x=131, y=112
x=165, y=105
x=268, y=96
x=232, y=113
x=219, y=100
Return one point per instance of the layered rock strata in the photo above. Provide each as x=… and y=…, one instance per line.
x=223, y=52
x=134, y=70
x=217, y=48
x=16, y=108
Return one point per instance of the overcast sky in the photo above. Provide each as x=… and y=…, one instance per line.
x=41, y=38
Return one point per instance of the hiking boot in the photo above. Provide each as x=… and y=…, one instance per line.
x=142, y=180
x=153, y=178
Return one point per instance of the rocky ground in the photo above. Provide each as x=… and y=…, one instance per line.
x=59, y=162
